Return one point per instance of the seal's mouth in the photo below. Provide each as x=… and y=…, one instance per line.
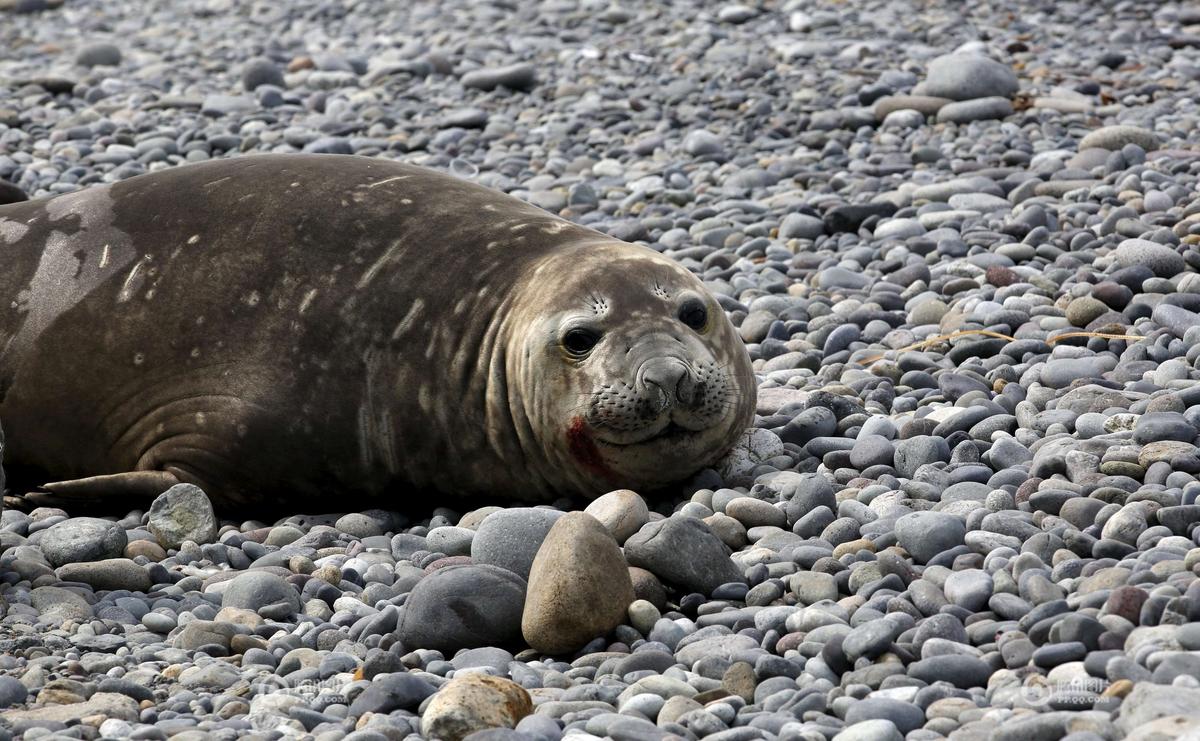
x=671, y=433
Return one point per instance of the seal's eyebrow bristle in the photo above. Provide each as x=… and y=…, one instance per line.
x=599, y=303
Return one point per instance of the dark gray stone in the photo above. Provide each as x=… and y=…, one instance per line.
x=684, y=552
x=510, y=538
x=926, y=534
x=388, y=692
x=464, y=606
x=256, y=590
x=82, y=539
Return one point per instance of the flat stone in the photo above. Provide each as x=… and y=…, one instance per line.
x=104, y=704
x=905, y=716
x=880, y=729
x=927, y=105
x=109, y=574
x=979, y=109
x=963, y=672
x=1114, y=138
x=520, y=76
x=723, y=646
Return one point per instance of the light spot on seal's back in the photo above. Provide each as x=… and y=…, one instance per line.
x=11, y=231
x=65, y=274
x=307, y=300
x=385, y=181
x=393, y=249
x=133, y=281
x=410, y=317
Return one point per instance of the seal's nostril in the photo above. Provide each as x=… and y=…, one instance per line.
x=689, y=391
x=671, y=380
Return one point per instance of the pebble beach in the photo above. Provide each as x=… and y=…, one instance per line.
x=961, y=243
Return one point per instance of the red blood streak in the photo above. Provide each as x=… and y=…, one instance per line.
x=584, y=450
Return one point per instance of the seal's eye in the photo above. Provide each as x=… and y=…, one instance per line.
x=579, y=342
x=694, y=314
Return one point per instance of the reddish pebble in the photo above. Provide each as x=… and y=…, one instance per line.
x=1000, y=276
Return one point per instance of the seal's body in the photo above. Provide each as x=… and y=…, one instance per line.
x=293, y=326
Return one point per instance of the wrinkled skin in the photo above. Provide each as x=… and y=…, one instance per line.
x=278, y=328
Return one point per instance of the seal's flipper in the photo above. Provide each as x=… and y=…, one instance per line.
x=97, y=493
x=75, y=506
x=31, y=500
x=133, y=484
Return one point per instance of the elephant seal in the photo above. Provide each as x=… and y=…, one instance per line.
x=283, y=327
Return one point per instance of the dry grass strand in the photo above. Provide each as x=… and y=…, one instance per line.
x=989, y=333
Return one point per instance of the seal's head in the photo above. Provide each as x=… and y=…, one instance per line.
x=633, y=375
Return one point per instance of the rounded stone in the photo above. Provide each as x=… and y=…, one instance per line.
x=684, y=552
x=1159, y=258
x=579, y=586
x=927, y=534
x=510, y=538
x=969, y=589
x=914, y=452
x=622, y=511
x=871, y=450
x=97, y=55
x=261, y=71
x=12, y=691
x=81, y=539
x=256, y=590
x=968, y=76
x=464, y=606
x=182, y=513
x=961, y=671
x=60, y=604
x=1084, y=310
x=393, y=691
x=474, y=702
x=753, y=512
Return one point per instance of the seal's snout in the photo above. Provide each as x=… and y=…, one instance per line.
x=670, y=380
